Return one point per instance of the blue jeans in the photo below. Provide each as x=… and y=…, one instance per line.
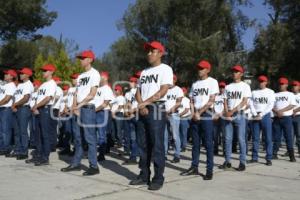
x=43, y=123
x=218, y=133
x=32, y=129
x=53, y=128
x=154, y=123
x=130, y=127
x=204, y=127
x=173, y=126
x=23, y=116
x=87, y=121
x=102, y=118
x=183, y=129
x=119, y=125
x=65, y=133
x=238, y=124
x=6, y=129
x=282, y=125
x=265, y=124
x=296, y=129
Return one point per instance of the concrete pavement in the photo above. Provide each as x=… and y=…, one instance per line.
x=25, y=181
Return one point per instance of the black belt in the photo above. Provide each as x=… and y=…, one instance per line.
x=89, y=106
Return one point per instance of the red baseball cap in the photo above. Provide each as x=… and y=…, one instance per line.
x=37, y=83
x=66, y=87
x=262, y=78
x=133, y=79
x=11, y=72
x=295, y=83
x=118, y=88
x=238, y=68
x=184, y=90
x=104, y=74
x=86, y=54
x=222, y=84
x=203, y=64
x=154, y=45
x=26, y=70
x=56, y=79
x=49, y=67
x=138, y=74
x=74, y=76
x=283, y=81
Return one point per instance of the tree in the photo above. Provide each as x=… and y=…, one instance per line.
x=22, y=18
x=277, y=46
x=191, y=30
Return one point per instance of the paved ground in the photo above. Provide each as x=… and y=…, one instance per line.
x=23, y=181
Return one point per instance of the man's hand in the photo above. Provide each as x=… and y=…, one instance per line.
x=257, y=118
x=228, y=114
x=196, y=116
x=144, y=111
x=14, y=108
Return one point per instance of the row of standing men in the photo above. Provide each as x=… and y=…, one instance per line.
x=144, y=119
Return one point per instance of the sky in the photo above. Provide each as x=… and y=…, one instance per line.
x=92, y=24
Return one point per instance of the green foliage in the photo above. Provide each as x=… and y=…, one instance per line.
x=191, y=30
x=64, y=65
x=277, y=47
x=21, y=18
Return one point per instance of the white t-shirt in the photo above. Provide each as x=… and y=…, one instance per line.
x=262, y=101
x=172, y=95
x=116, y=102
x=202, y=90
x=104, y=93
x=47, y=89
x=85, y=82
x=185, y=103
x=130, y=97
x=71, y=93
x=22, y=90
x=33, y=99
x=59, y=93
x=219, y=104
x=297, y=98
x=63, y=103
x=248, y=112
x=152, y=78
x=7, y=89
x=235, y=92
x=284, y=99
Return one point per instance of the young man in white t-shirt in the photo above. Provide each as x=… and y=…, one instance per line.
x=296, y=114
x=283, y=122
x=261, y=105
x=42, y=107
x=22, y=113
x=6, y=100
x=85, y=111
x=103, y=97
x=184, y=112
x=218, y=111
x=117, y=110
x=70, y=126
x=174, y=98
x=152, y=87
x=235, y=103
x=32, y=123
x=203, y=93
x=131, y=124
